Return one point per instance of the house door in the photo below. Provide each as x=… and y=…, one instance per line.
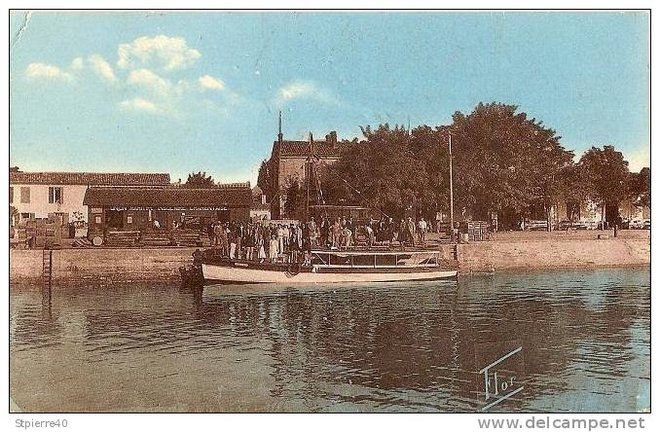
x=114, y=219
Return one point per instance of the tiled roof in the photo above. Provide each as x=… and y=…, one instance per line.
x=93, y=179
x=167, y=197
x=301, y=148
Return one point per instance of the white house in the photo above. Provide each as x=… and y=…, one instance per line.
x=40, y=194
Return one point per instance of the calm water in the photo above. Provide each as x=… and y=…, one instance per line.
x=585, y=338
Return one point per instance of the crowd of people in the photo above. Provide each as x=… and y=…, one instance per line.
x=270, y=241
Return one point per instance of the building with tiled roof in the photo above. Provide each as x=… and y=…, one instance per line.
x=288, y=160
x=60, y=194
x=168, y=208
x=89, y=179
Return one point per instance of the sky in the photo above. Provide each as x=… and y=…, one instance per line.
x=181, y=92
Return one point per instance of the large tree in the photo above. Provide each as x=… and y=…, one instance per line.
x=266, y=180
x=608, y=173
x=640, y=187
x=199, y=180
x=381, y=171
x=577, y=189
x=506, y=163
x=294, y=202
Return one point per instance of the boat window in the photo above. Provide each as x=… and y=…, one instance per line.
x=363, y=260
x=385, y=260
x=340, y=259
x=404, y=259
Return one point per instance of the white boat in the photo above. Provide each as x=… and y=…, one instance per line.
x=332, y=266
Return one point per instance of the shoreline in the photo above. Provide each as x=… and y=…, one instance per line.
x=528, y=251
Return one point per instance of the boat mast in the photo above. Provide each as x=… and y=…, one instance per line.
x=308, y=176
x=280, y=139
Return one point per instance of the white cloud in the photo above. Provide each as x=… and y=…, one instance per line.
x=139, y=104
x=150, y=80
x=302, y=89
x=43, y=70
x=102, y=67
x=211, y=83
x=77, y=64
x=167, y=53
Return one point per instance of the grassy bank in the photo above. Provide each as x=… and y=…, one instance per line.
x=506, y=251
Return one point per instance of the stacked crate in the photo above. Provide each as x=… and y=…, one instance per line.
x=122, y=238
x=156, y=238
x=187, y=237
x=39, y=233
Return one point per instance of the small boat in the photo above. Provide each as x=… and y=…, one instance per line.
x=331, y=266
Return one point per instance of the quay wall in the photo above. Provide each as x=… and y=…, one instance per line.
x=107, y=264
x=557, y=253
x=102, y=264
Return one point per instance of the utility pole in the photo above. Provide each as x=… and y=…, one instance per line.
x=451, y=186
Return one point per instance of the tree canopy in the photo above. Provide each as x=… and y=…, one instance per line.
x=266, y=180
x=504, y=162
x=199, y=180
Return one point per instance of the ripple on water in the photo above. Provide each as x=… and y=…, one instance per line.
x=394, y=347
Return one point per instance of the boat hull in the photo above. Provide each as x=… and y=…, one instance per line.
x=234, y=273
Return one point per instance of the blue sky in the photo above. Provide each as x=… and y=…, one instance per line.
x=190, y=91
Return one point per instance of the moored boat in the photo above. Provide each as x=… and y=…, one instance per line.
x=331, y=266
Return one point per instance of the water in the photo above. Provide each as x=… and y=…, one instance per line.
x=585, y=338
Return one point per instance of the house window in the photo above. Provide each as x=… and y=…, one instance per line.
x=97, y=219
x=27, y=215
x=55, y=195
x=129, y=219
x=11, y=195
x=25, y=195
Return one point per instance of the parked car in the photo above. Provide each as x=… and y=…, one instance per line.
x=636, y=224
x=647, y=224
x=536, y=225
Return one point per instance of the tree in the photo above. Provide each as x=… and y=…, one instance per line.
x=266, y=180
x=576, y=190
x=506, y=163
x=381, y=172
x=294, y=201
x=608, y=173
x=199, y=180
x=640, y=187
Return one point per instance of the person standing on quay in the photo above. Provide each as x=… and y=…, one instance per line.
x=261, y=249
x=336, y=233
x=311, y=226
x=280, y=239
x=370, y=235
x=410, y=227
x=273, y=248
x=325, y=231
x=403, y=232
x=421, y=231
x=249, y=242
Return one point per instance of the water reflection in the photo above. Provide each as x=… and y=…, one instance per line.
x=414, y=347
